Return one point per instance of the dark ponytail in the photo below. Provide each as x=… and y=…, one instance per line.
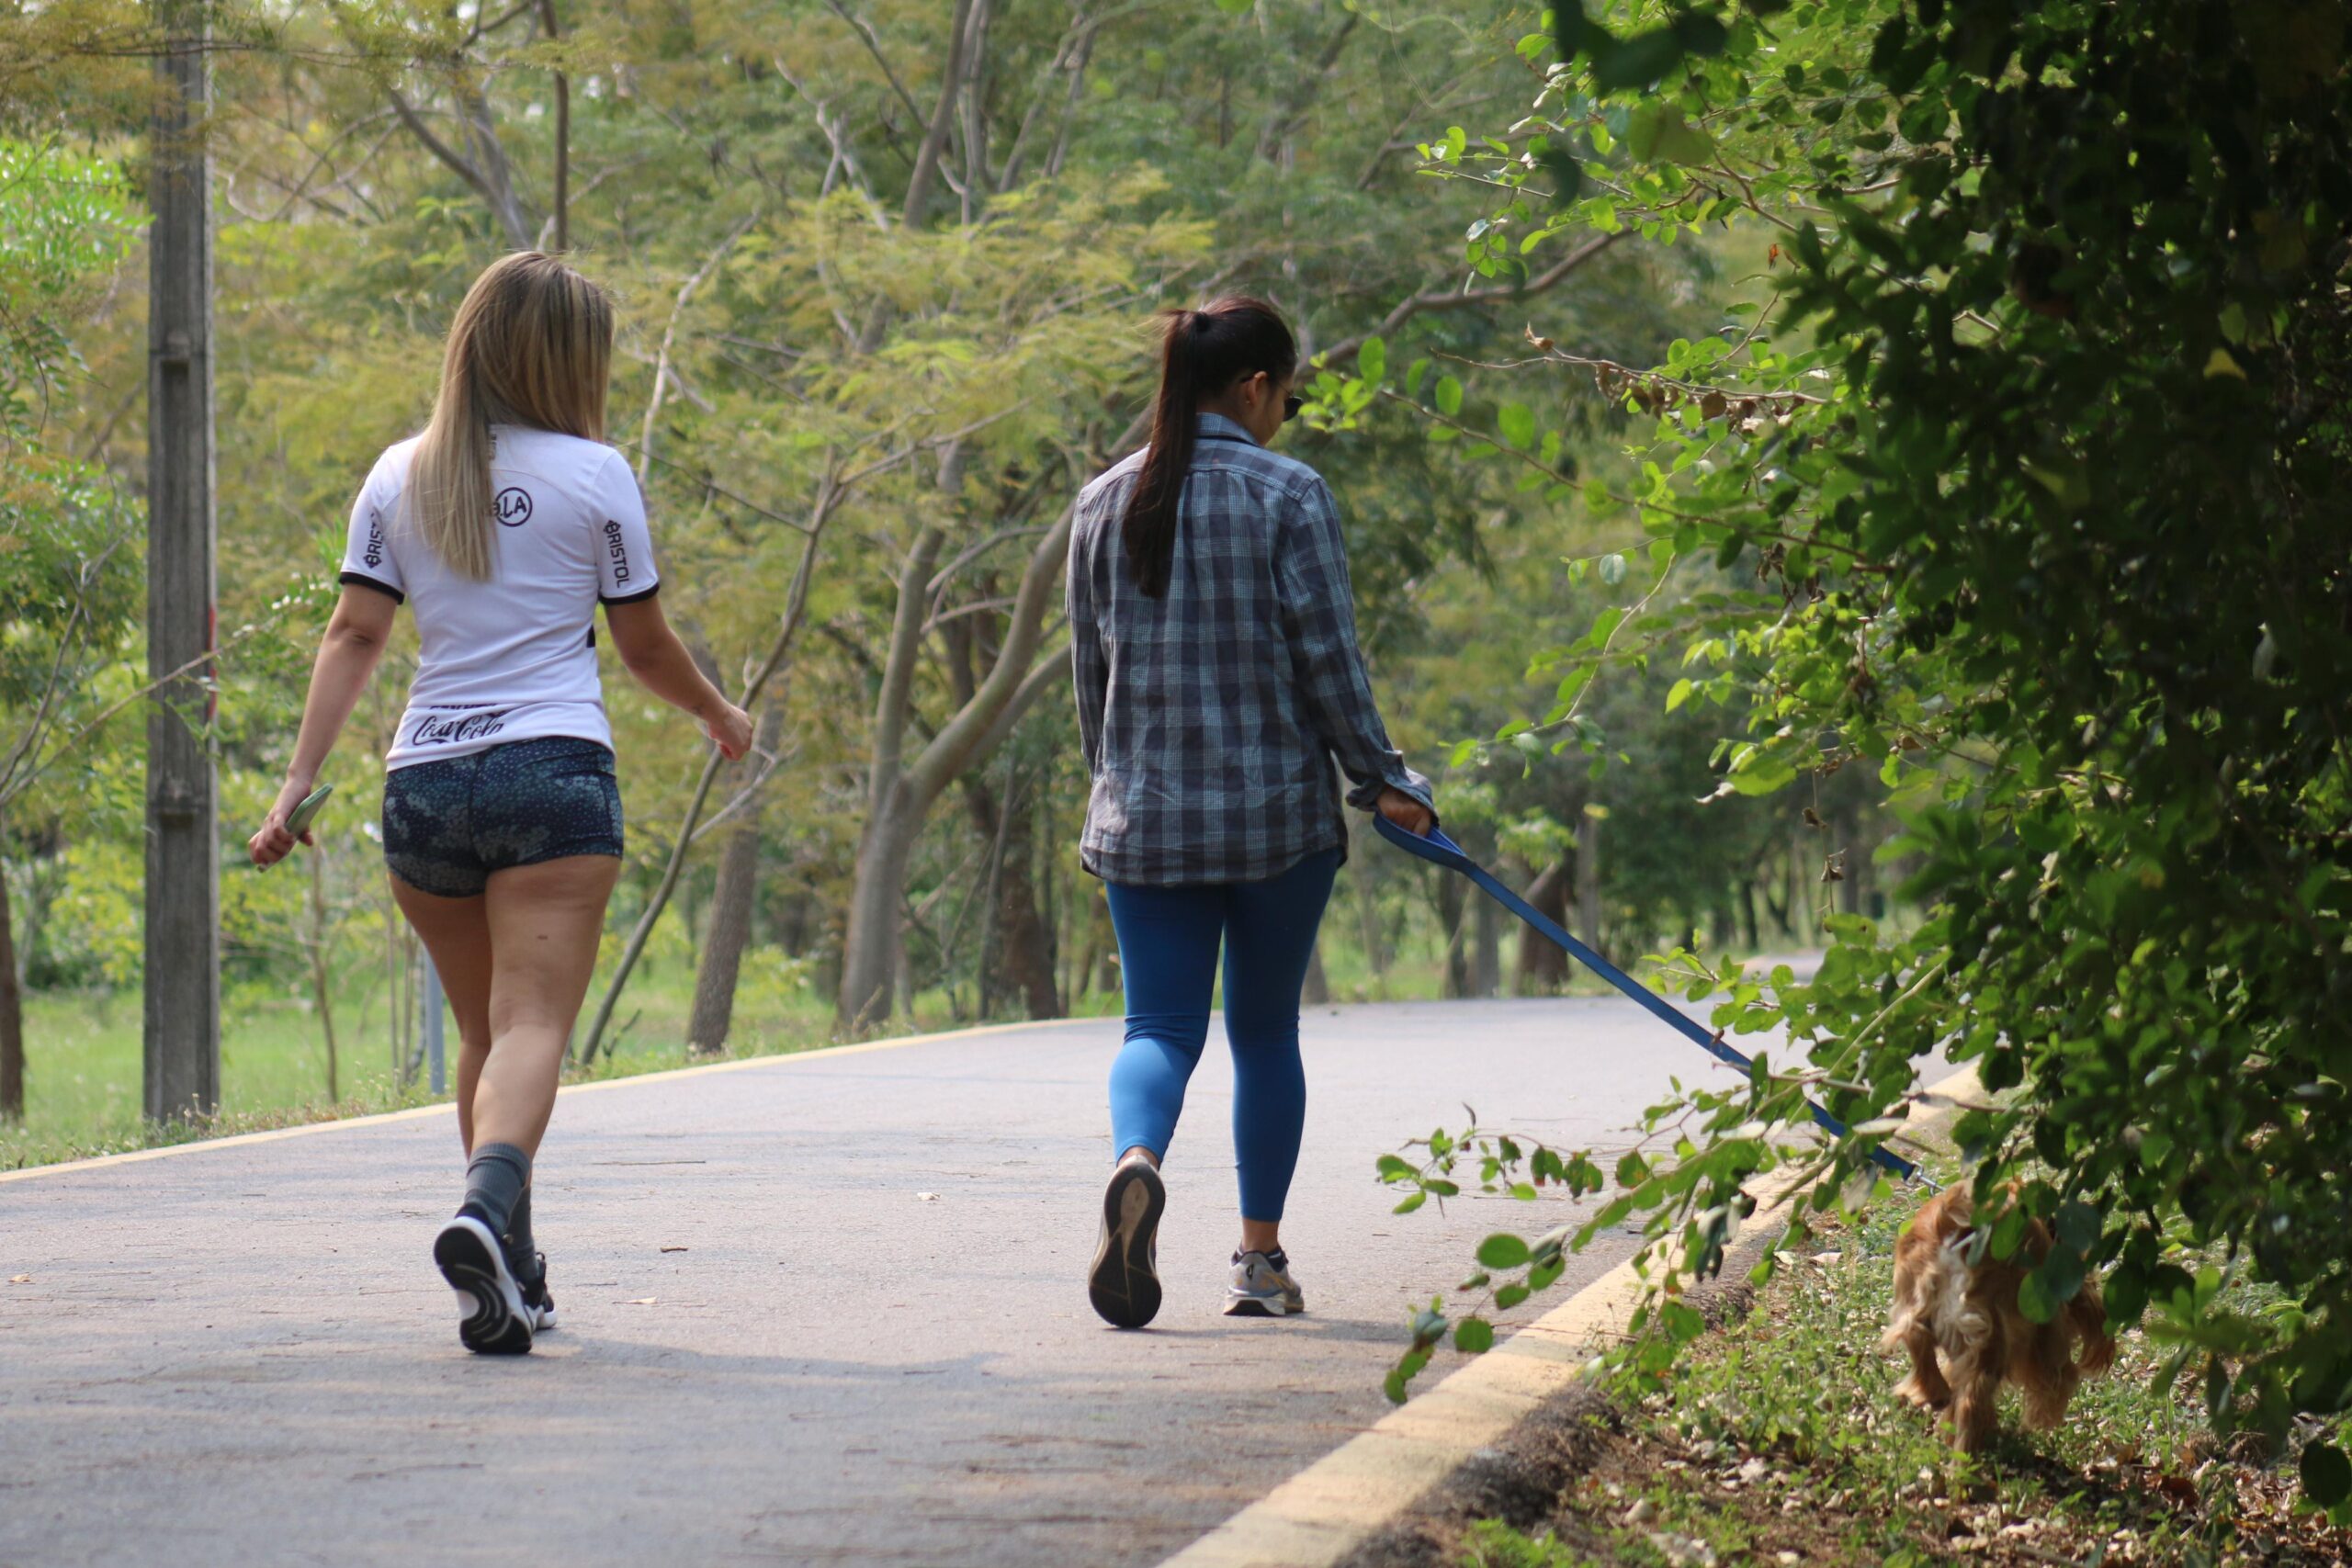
x=1202, y=354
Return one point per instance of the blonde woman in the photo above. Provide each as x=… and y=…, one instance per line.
x=503, y=527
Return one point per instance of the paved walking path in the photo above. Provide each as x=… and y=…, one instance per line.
x=819, y=1309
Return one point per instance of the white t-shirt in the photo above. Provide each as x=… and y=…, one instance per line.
x=514, y=658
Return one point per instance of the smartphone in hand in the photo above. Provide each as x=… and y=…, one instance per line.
x=306, y=811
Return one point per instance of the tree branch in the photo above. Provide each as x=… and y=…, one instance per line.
x=935, y=141
x=1280, y=123
x=1435, y=299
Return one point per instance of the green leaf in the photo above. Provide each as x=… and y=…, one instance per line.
x=2326, y=1474
x=1681, y=1321
x=1473, y=1337
x=1449, y=396
x=1680, y=694
x=1763, y=777
x=1503, y=1250
x=1657, y=131
x=1517, y=421
x=1635, y=62
x=1372, y=361
x=1612, y=569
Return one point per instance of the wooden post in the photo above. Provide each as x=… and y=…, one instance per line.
x=183, y=969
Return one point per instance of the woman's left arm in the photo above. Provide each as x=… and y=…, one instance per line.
x=348, y=657
x=1318, y=604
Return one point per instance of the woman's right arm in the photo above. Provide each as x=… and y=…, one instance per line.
x=653, y=653
x=1318, y=604
x=348, y=657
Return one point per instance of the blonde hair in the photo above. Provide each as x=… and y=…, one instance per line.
x=531, y=345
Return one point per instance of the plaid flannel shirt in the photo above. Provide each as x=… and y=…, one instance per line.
x=1210, y=717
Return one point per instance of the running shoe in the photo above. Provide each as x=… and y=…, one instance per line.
x=536, y=1296
x=1124, y=1281
x=1262, y=1287
x=497, y=1321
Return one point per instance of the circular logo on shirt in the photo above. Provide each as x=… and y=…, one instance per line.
x=513, y=506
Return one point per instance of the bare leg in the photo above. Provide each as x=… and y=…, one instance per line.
x=544, y=924
x=455, y=931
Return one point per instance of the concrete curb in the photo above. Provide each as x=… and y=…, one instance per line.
x=1335, y=1505
x=444, y=1108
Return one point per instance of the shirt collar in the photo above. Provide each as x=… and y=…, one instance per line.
x=1216, y=427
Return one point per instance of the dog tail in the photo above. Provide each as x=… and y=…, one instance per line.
x=2086, y=1316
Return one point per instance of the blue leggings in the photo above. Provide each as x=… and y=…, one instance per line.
x=1167, y=950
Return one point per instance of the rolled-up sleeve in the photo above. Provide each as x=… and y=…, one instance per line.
x=1090, y=671
x=1320, y=620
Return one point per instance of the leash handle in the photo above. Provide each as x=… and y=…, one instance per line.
x=1437, y=849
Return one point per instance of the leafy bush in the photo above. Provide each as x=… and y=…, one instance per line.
x=2035, y=463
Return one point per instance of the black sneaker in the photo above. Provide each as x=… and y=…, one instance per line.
x=1124, y=1281
x=497, y=1321
x=536, y=1295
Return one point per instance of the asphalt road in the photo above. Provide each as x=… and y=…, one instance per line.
x=819, y=1309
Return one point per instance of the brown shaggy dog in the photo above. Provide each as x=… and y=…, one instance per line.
x=1971, y=1315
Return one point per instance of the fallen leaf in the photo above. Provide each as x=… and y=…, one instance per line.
x=927, y=1196
x=674, y=1250
x=638, y=1302
x=20, y=1278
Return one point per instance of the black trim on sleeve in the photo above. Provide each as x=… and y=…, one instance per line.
x=361, y=580
x=610, y=599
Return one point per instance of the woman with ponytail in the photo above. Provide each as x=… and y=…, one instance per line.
x=503, y=527
x=1212, y=631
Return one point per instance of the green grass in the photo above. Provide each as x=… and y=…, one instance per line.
x=83, y=1057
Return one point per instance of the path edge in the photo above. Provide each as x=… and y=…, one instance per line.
x=1335, y=1505
x=444, y=1107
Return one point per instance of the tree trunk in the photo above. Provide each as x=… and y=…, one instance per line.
x=1451, y=912
x=1800, y=874
x=1542, y=967
x=12, y=1016
x=1853, y=863
x=1589, y=881
x=900, y=792
x=1486, y=965
x=1360, y=871
x=1024, y=940
x=731, y=903
x=874, y=939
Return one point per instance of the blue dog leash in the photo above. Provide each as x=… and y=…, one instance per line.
x=1441, y=851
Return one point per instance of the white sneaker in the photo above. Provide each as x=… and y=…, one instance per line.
x=1262, y=1287
x=497, y=1321
x=1125, y=1282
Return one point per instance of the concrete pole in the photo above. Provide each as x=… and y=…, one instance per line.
x=183, y=969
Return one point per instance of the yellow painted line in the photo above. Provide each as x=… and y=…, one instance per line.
x=418, y=1112
x=1331, y=1507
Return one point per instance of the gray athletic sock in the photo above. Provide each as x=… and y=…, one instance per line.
x=522, y=1250
x=494, y=1181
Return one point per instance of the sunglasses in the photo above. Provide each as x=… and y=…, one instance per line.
x=1291, y=405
